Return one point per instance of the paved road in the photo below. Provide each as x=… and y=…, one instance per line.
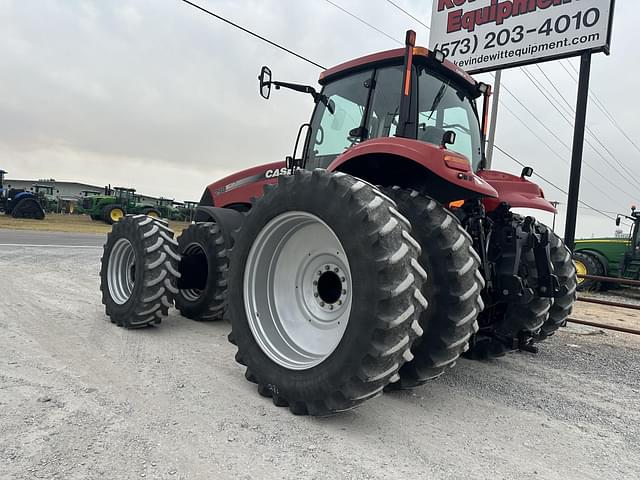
x=28, y=237
x=81, y=398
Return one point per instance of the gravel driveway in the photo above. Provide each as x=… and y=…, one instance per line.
x=81, y=398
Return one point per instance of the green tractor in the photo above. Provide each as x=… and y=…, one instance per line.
x=47, y=196
x=188, y=210
x=169, y=210
x=115, y=203
x=617, y=257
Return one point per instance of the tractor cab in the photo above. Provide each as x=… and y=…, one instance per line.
x=410, y=93
x=125, y=196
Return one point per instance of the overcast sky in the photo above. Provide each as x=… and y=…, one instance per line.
x=157, y=95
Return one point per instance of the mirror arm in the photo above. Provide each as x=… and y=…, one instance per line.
x=317, y=97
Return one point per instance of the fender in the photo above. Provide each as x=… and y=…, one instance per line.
x=425, y=161
x=518, y=192
x=227, y=191
x=228, y=219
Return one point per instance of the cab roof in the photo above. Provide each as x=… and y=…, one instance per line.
x=420, y=54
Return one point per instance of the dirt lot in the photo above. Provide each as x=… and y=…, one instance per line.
x=55, y=222
x=81, y=398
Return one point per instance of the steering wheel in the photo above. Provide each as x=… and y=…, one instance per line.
x=321, y=132
x=458, y=126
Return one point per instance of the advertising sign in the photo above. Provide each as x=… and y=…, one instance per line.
x=484, y=35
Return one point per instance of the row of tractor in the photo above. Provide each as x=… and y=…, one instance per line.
x=110, y=206
x=114, y=203
x=369, y=262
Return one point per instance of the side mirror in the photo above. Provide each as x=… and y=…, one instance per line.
x=526, y=172
x=265, y=82
x=617, y=221
x=449, y=138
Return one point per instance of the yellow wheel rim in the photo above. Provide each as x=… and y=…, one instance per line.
x=581, y=269
x=116, y=214
x=152, y=215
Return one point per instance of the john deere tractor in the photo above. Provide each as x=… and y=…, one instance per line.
x=168, y=209
x=609, y=256
x=370, y=260
x=19, y=203
x=47, y=197
x=114, y=204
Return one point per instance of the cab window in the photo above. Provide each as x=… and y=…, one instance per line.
x=333, y=133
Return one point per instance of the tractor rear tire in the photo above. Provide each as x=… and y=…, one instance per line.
x=324, y=292
x=205, y=265
x=139, y=271
x=452, y=289
x=588, y=264
x=113, y=214
x=28, y=208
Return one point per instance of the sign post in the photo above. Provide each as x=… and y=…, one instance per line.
x=578, y=146
x=484, y=35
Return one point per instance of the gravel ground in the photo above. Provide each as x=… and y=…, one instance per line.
x=81, y=398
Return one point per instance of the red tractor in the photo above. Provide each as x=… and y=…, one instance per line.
x=369, y=262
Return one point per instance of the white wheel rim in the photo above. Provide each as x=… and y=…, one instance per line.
x=121, y=271
x=297, y=290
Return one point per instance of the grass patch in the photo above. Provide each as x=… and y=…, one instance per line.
x=55, y=222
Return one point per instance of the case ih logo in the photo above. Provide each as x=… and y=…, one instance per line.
x=277, y=172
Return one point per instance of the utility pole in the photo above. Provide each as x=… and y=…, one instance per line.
x=494, y=118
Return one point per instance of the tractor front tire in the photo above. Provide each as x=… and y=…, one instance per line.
x=452, y=289
x=324, y=292
x=152, y=212
x=565, y=270
x=113, y=214
x=588, y=264
x=204, y=266
x=139, y=271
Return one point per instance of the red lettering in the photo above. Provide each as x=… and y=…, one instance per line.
x=504, y=11
x=454, y=21
x=442, y=4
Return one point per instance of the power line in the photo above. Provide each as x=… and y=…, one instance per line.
x=246, y=30
x=571, y=108
x=589, y=131
x=552, y=184
x=555, y=152
x=598, y=103
x=363, y=21
x=409, y=15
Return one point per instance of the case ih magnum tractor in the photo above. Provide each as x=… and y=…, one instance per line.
x=373, y=260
